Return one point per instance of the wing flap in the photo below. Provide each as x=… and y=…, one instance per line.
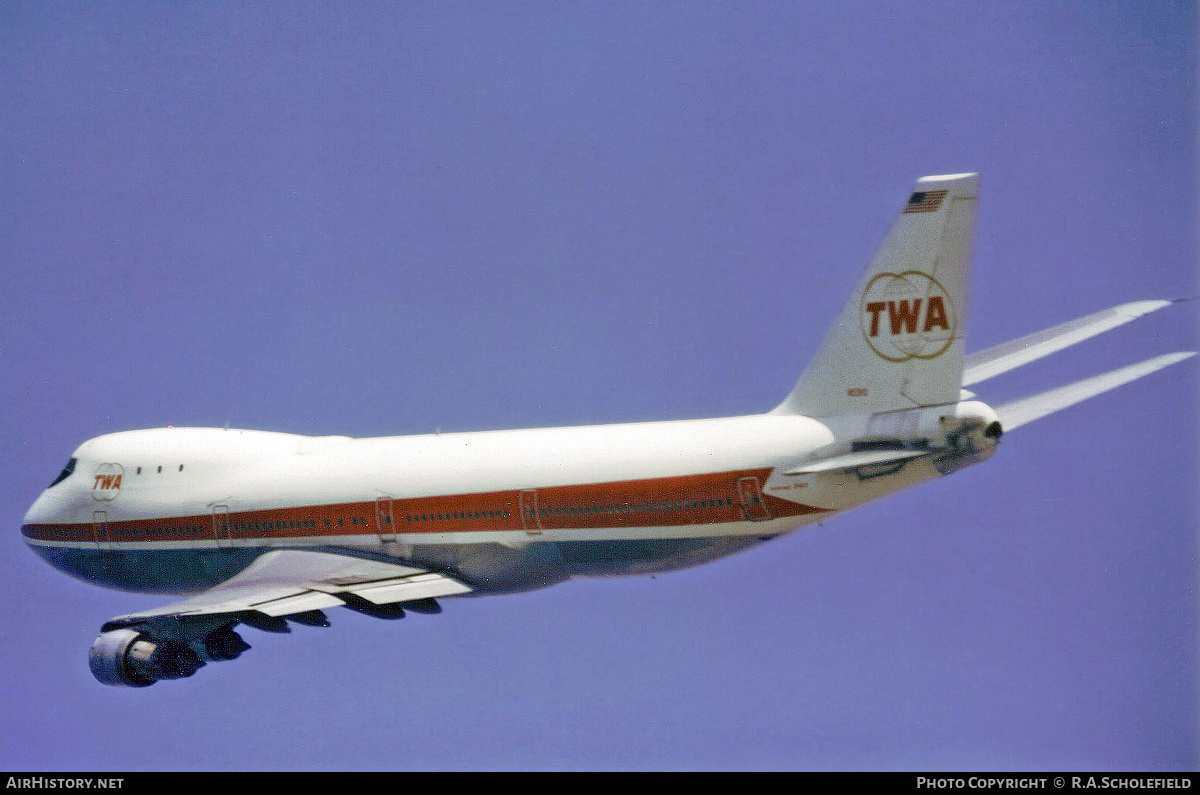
x=410, y=589
x=298, y=603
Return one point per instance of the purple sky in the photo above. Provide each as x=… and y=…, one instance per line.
x=384, y=218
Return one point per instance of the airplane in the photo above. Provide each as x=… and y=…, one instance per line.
x=267, y=529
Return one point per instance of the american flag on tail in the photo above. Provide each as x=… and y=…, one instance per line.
x=924, y=201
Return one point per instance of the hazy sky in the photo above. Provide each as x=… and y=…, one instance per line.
x=384, y=218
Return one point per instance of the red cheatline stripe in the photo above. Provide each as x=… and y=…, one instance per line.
x=659, y=502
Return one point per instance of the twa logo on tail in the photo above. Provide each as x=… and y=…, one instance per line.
x=906, y=316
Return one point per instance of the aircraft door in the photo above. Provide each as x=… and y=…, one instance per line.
x=100, y=530
x=750, y=498
x=530, y=520
x=220, y=518
x=384, y=521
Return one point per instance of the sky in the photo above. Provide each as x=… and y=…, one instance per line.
x=384, y=218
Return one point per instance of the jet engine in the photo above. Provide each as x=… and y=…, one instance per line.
x=971, y=434
x=130, y=658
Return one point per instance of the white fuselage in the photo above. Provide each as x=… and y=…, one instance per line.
x=179, y=509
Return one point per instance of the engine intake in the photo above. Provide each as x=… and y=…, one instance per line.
x=128, y=658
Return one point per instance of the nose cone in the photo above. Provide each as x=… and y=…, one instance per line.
x=56, y=509
x=57, y=528
x=40, y=513
x=42, y=510
x=35, y=531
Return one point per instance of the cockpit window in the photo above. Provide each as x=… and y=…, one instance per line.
x=66, y=473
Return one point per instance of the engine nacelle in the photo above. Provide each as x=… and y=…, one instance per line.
x=224, y=644
x=971, y=434
x=946, y=425
x=128, y=658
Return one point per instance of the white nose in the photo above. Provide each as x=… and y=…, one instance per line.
x=61, y=503
x=42, y=511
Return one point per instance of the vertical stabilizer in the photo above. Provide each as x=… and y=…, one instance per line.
x=898, y=342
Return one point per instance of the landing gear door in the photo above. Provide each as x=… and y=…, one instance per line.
x=754, y=508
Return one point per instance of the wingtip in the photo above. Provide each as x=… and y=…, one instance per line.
x=1138, y=308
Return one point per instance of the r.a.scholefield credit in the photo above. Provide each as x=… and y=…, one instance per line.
x=1130, y=781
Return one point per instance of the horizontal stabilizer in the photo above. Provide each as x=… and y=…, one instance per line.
x=1008, y=355
x=854, y=460
x=1019, y=412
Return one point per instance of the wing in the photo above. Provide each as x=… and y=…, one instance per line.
x=283, y=583
x=1001, y=358
x=174, y=641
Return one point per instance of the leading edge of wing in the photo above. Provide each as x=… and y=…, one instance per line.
x=1006, y=356
x=1019, y=412
x=287, y=582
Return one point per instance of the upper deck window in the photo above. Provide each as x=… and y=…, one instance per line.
x=66, y=473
